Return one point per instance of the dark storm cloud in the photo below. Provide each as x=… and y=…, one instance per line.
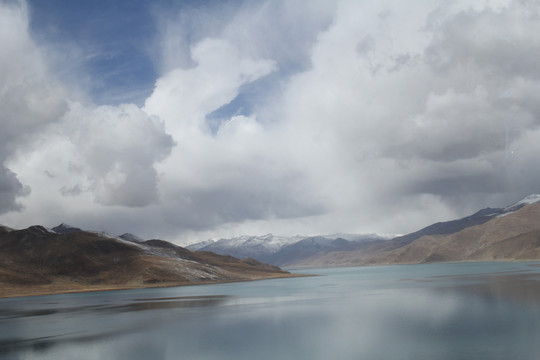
x=504, y=42
x=252, y=197
x=10, y=189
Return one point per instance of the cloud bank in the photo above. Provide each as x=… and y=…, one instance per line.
x=281, y=116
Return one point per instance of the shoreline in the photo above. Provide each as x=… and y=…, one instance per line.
x=58, y=289
x=15, y=291
x=307, y=267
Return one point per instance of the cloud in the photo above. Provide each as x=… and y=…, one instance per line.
x=490, y=39
x=255, y=28
x=380, y=118
x=183, y=97
x=10, y=189
x=231, y=174
x=29, y=97
x=284, y=117
x=116, y=148
x=480, y=106
x=107, y=151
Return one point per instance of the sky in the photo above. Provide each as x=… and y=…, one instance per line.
x=189, y=120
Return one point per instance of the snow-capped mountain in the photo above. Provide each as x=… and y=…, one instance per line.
x=256, y=247
x=302, y=251
x=531, y=199
x=358, y=237
x=271, y=248
x=131, y=237
x=4, y=228
x=509, y=233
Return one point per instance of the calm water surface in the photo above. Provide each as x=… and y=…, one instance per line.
x=439, y=311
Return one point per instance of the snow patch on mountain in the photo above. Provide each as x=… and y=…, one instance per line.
x=531, y=199
x=5, y=228
x=359, y=237
x=200, y=245
x=39, y=230
x=131, y=237
x=272, y=243
x=265, y=248
x=263, y=244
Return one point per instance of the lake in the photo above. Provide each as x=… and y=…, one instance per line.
x=436, y=311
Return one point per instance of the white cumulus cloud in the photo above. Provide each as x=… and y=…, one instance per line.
x=285, y=117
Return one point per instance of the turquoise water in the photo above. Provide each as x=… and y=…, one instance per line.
x=437, y=311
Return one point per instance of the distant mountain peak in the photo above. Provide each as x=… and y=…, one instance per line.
x=38, y=230
x=275, y=249
x=531, y=199
x=64, y=228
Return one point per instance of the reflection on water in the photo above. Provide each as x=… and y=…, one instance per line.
x=519, y=289
x=42, y=322
x=442, y=311
x=134, y=305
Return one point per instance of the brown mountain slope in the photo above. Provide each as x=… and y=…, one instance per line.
x=510, y=237
x=515, y=236
x=36, y=261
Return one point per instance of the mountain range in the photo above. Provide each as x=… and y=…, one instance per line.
x=283, y=250
x=38, y=260
x=509, y=233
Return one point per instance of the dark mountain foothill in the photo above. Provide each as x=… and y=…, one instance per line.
x=37, y=260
